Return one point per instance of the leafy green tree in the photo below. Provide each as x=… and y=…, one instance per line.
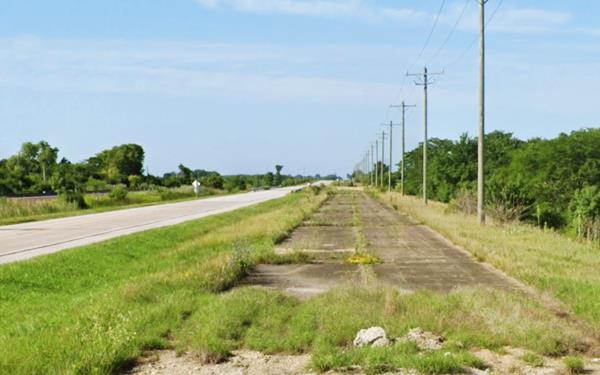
x=47, y=157
x=277, y=180
x=64, y=181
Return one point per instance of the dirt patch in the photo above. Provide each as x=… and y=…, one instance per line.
x=511, y=362
x=244, y=362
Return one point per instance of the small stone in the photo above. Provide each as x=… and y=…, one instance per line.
x=425, y=340
x=374, y=336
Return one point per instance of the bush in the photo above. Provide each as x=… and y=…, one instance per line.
x=547, y=216
x=74, y=197
x=465, y=202
x=584, y=213
x=507, y=201
x=575, y=364
x=118, y=193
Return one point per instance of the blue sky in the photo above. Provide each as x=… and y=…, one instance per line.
x=240, y=85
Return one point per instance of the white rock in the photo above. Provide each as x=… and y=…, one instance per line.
x=374, y=336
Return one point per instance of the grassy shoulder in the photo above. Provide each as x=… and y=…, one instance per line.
x=23, y=211
x=95, y=309
x=553, y=263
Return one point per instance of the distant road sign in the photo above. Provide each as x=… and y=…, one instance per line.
x=196, y=185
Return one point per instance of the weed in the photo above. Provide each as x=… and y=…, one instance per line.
x=574, y=364
x=533, y=359
x=363, y=259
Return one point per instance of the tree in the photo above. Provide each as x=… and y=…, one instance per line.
x=185, y=174
x=277, y=180
x=118, y=163
x=47, y=158
x=64, y=181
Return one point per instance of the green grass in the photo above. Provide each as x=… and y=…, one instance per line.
x=552, y=263
x=574, y=364
x=21, y=211
x=94, y=309
x=533, y=359
x=326, y=325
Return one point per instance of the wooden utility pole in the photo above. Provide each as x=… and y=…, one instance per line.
x=423, y=80
x=376, y=162
x=403, y=106
x=481, y=138
x=371, y=163
x=382, y=156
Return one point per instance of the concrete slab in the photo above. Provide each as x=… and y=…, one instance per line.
x=303, y=280
x=416, y=258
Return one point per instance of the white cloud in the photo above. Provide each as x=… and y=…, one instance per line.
x=507, y=20
x=357, y=9
x=529, y=20
x=262, y=72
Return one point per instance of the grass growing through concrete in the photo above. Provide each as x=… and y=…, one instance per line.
x=93, y=310
x=555, y=264
x=326, y=325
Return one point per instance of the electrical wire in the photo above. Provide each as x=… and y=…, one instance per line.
x=474, y=41
x=451, y=33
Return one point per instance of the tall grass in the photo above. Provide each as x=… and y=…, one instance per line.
x=13, y=208
x=24, y=210
x=549, y=261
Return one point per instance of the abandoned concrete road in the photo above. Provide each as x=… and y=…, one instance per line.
x=411, y=256
x=28, y=240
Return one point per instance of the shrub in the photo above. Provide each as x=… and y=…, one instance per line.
x=507, y=201
x=533, y=359
x=575, y=364
x=584, y=213
x=465, y=202
x=118, y=193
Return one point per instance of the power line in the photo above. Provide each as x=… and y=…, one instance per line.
x=474, y=41
x=437, y=19
x=433, y=27
x=451, y=33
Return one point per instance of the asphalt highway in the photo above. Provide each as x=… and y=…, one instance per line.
x=28, y=240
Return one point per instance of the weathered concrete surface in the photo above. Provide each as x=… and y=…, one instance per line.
x=414, y=257
x=329, y=238
x=330, y=230
x=304, y=280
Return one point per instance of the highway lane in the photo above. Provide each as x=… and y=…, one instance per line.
x=28, y=240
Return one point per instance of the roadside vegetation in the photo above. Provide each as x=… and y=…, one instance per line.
x=553, y=183
x=96, y=309
x=545, y=259
x=110, y=179
x=14, y=211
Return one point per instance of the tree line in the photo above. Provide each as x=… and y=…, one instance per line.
x=37, y=169
x=549, y=182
